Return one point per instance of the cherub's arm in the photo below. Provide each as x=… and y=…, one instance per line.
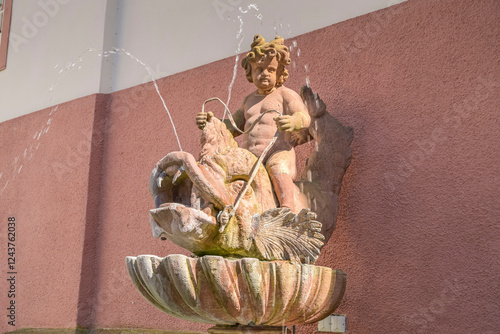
x=297, y=116
x=238, y=116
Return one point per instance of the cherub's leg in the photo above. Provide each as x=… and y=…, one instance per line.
x=281, y=169
x=284, y=188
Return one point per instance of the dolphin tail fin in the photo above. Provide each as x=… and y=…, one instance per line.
x=284, y=235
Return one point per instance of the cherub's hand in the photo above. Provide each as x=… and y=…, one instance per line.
x=287, y=123
x=202, y=118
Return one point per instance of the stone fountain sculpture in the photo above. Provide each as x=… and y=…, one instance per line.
x=254, y=232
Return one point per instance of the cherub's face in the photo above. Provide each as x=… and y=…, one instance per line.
x=264, y=72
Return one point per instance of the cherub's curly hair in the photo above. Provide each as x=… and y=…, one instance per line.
x=275, y=48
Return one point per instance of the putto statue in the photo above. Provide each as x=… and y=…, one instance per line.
x=240, y=211
x=265, y=68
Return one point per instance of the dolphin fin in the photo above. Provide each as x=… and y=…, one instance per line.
x=284, y=235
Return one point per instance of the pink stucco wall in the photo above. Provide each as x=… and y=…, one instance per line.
x=46, y=185
x=417, y=232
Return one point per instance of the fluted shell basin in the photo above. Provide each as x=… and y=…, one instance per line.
x=216, y=290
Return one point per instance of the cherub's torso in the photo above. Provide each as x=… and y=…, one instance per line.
x=263, y=132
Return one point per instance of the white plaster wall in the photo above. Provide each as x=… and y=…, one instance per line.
x=173, y=36
x=43, y=34
x=170, y=36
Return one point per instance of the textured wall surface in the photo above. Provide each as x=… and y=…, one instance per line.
x=417, y=232
x=47, y=185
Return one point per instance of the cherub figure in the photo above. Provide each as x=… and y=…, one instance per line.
x=265, y=68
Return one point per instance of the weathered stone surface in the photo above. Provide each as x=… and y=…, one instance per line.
x=243, y=203
x=217, y=290
x=248, y=330
x=194, y=199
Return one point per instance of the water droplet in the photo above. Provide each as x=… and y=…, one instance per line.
x=308, y=83
x=298, y=53
x=20, y=169
x=259, y=16
x=306, y=67
x=294, y=43
x=49, y=120
x=102, y=53
x=5, y=186
x=294, y=64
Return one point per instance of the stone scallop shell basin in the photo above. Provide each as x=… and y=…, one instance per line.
x=247, y=291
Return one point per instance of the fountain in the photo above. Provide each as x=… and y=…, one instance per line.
x=254, y=232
